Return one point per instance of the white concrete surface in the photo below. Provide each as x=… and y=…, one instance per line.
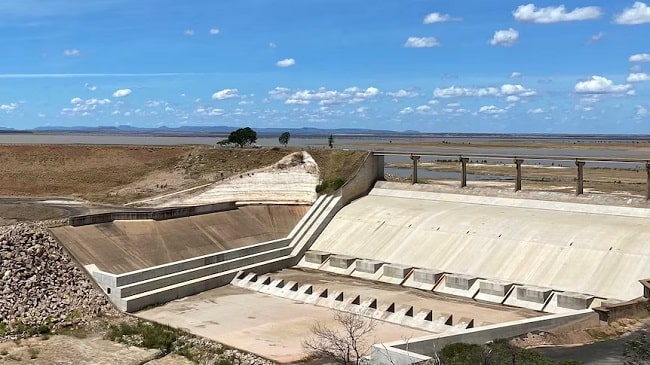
x=591, y=249
x=286, y=181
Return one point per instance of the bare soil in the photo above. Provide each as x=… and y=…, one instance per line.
x=119, y=174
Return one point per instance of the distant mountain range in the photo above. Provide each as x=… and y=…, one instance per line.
x=222, y=131
x=199, y=130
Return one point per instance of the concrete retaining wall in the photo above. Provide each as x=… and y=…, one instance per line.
x=400, y=351
x=363, y=180
x=632, y=309
x=158, y=214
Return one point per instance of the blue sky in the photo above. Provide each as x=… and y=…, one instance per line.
x=427, y=65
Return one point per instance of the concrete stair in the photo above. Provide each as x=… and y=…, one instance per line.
x=136, y=290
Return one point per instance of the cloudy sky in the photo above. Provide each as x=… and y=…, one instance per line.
x=427, y=65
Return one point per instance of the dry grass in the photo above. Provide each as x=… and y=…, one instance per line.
x=117, y=174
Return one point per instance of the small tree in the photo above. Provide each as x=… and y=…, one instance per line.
x=284, y=138
x=243, y=137
x=330, y=141
x=345, y=346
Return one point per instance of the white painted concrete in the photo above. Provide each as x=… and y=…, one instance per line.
x=592, y=249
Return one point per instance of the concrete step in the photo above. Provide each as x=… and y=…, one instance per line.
x=172, y=286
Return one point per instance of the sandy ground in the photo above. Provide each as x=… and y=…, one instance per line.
x=274, y=327
x=268, y=326
x=65, y=350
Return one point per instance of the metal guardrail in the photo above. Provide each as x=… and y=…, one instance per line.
x=463, y=158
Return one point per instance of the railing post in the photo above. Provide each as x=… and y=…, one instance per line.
x=463, y=173
x=518, y=163
x=414, y=176
x=647, y=169
x=580, y=180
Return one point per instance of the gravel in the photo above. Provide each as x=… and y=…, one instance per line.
x=40, y=284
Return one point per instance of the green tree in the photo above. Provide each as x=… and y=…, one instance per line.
x=330, y=141
x=243, y=137
x=284, y=138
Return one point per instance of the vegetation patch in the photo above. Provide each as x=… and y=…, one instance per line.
x=497, y=352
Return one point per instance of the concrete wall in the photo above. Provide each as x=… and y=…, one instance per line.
x=363, y=180
x=637, y=308
x=158, y=214
x=401, y=351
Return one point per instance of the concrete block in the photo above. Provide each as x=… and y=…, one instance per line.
x=316, y=257
x=341, y=261
x=427, y=276
x=460, y=281
x=368, y=266
x=465, y=322
x=396, y=271
x=445, y=318
x=495, y=287
x=574, y=300
x=533, y=294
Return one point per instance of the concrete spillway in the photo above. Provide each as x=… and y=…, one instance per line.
x=591, y=249
x=123, y=246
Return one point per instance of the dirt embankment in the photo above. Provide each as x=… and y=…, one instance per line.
x=119, y=174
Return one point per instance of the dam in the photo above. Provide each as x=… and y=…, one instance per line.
x=432, y=265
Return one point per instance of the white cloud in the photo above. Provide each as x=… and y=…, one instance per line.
x=596, y=37
x=536, y=111
x=76, y=101
x=631, y=92
x=509, y=89
x=512, y=99
x=641, y=57
x=638, y=77
x=515, y=75
x=189, y=32
x=403, y=94
x=72, y=53
x=41, y=115
x=215, y=31
x=90, y=87
x=423, y=108
x=246, y=102
x=490, y=109
x=641, y=112
x=639, y=13
x=8, y=107
x=453, y=105
x=279, y=93
x=122, y=93
x=454, y=92
x=407, y=110
x=551, y=14
x=324, y=96
x=272, y=45
x=504, y=90
x=297, y=102
x=287, y=62
x=152, y=103
x=599, y=85
x=504, y=38
x=438, y=18
x=433, y=102
x=421, y=42
x=225, y=94
x=94, y=101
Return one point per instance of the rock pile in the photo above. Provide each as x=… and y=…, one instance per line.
x=39, y=283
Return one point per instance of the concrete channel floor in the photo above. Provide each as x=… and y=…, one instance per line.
x=275, y=327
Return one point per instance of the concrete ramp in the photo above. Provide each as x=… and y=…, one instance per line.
x=595, y=250
x=124, y=246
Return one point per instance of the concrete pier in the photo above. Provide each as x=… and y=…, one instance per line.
x=463, y=171
x=414, y=176
x=518, y=163
x=580, y=178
